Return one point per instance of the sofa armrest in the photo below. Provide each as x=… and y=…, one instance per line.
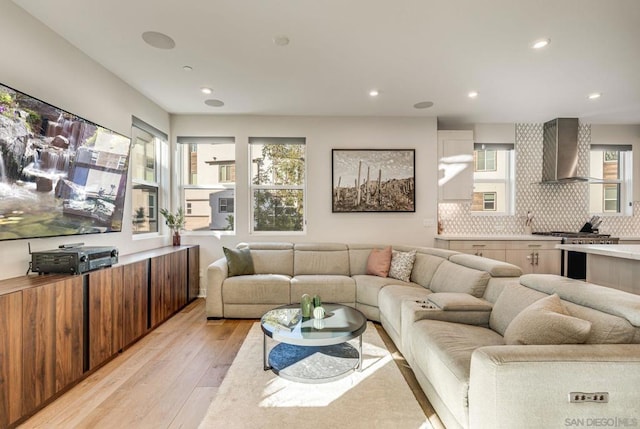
x=217, y=272
x=414, y=310
x=530, y=386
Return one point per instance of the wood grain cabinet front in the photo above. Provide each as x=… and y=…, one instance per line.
x=194, y=273
x=10, y=358
x=105, y=314
x=55, y=329
x=136, y=301
x=52, y=340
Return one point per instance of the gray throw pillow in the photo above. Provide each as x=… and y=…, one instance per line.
x=239, y=261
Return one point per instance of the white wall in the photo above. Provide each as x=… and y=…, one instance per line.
x=40, y=63
x=323, y=134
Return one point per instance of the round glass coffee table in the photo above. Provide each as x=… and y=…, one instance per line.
x=313, y=350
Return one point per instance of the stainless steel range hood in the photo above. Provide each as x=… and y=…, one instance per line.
x=560, y=151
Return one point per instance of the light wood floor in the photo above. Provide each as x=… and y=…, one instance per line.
x=168, y=378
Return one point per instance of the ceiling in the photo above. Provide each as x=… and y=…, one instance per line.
x=409, y=50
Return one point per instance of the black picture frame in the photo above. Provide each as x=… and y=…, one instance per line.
x=373, y=180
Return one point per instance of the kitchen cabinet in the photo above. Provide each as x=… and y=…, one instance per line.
x=532, y=256
x=455, y=165
x=487, y=249
x=535, y=260
x=10, y=358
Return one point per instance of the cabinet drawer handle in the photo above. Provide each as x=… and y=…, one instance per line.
x=478, y=245
x=534, y=245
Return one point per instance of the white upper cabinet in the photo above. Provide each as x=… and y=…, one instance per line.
x=455, y=165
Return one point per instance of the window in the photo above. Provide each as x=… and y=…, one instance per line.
x=145, y=171
x=484, y=201
x=277, y=184
x=208, y=182
x=493, y=179
x=227, y=173
x=225, y=205
x=485, y=159
x=610, y=166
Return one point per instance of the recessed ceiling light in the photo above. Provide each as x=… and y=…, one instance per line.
x=539, y=44
x=206, y=90
x=281, y=40
x=214, y=103
x=187, y=68
x=158, y=40
x=594, y=96
x=472, y=94
x=374, y=93
x=423, y=105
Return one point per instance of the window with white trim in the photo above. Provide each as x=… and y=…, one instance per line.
x=207, y=182
x=610, y=168
x=493, y=179
x=277, y=184
x=147, y=143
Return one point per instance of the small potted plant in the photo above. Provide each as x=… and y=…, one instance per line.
x=175, y=221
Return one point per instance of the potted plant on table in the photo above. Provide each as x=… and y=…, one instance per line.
x=175, y=221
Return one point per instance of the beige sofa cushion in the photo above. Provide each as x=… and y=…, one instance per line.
x=442, y=352
x=450, y=301
x=450, y=277
x=491, y=266
x=330, y=288
x=390, y=303
x=321, y=258
x=605, y=328
x=256, y=289
x=513, y=299
x=424, y=267
x=271, y=258
x=368, y=287
x=612, y=301
x=546, y=321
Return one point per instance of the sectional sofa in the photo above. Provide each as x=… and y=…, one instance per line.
x=489, y=347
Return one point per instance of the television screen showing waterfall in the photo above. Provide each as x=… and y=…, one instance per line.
x=59, y=174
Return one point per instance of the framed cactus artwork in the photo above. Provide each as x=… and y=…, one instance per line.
x=373, y=180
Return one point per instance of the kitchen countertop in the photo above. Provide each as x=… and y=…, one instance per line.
x=624, y=251
x=511, y=237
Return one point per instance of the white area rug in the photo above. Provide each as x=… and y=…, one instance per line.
x=377, y=397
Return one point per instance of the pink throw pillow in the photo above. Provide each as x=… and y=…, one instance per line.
x=379, y=262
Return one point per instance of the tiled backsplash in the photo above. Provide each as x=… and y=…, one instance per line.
x=556, y=207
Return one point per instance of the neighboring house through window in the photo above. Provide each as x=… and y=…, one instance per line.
x=493, y=178
x=146, y=150
x=208, y=182
x=610, y=167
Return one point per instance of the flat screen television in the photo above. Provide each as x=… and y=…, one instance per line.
x=59, y=173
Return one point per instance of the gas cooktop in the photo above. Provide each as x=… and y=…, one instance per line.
x=581, y=237
x=572, y=234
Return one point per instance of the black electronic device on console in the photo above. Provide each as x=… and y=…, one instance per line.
x=73, y=259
